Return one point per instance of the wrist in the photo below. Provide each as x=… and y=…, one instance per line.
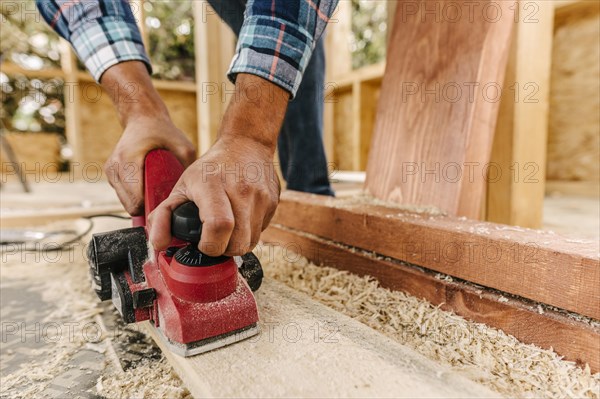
x=130, y=88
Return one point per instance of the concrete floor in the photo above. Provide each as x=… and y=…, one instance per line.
x=36, y=322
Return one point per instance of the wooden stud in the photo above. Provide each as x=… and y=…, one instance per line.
x=214, y=49
x=391, y=12
x=368, y=106
x=339, y=30
x=516, y=194
x=430, y=131
x=72, y=101
x=137, y=7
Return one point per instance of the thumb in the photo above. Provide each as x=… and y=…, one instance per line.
x=184, y=152
x=159, y=221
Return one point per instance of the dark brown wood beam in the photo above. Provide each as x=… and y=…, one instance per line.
x=540, y=266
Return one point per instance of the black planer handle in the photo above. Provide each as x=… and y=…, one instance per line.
x=186, y=224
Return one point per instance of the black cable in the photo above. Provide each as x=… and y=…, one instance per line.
x=73, y=240
x=107, y=215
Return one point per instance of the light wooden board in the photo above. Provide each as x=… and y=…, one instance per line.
x=575, y=340
x=308, y=350
x=438, y=104
x=536, y=265
x=516, y=195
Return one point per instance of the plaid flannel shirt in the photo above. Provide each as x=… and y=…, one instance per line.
x=275, y=42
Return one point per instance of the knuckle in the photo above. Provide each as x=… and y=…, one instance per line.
x=218, y=225
x=244, y=189
x=264, y=195
x=189, y=153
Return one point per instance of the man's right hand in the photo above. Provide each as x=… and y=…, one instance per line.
x=125, y=166
x=147, y=126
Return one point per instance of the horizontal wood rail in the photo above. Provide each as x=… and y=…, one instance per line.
x=540, y=266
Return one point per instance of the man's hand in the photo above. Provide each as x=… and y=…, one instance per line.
x=125, y=166
x=147, y=127
x=234, y=184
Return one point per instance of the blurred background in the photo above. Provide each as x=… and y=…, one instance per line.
x=55, y=117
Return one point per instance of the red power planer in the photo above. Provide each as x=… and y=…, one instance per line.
x=196, y=302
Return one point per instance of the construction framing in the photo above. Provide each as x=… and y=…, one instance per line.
x=352, y=97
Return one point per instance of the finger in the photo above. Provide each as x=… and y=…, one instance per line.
x=129, y=189
x=217, y=218
x=242, y=232
x=256, y=229
x=263, y=212
x=159, y=221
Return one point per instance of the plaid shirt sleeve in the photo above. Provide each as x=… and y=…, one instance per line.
x=103, y=33
x=278, y=38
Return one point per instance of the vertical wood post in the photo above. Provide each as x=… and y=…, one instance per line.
x=72, y=98
x=519, y=149
x=214, y=45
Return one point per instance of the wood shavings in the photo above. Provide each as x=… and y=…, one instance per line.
x=149, y=379
x=364, y=198
x=481, y=353
x=74, y=315
x=65, y=282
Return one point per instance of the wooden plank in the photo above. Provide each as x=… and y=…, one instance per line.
x=567, y=9
x=575, y=340
x=72, y=101
x=438, y=107
x=308, y=350
x=536, y=265
x=337, y=41
x=371, y=73
x=214, y=49
x=516, y=191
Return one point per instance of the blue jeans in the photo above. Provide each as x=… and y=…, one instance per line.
x=300, y=143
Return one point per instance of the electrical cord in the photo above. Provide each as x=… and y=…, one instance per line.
x=65, y=245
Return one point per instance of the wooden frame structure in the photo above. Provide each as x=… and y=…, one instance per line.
x=351, y=101
x=521, y=133
x=511, y=278
x=506, y=277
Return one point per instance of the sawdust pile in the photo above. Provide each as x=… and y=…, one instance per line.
x=481, y=353
x=59, y=283
x=148, y=379
x=365, y=198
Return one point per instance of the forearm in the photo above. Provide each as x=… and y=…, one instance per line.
x=255, y=112
x=130, y=88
